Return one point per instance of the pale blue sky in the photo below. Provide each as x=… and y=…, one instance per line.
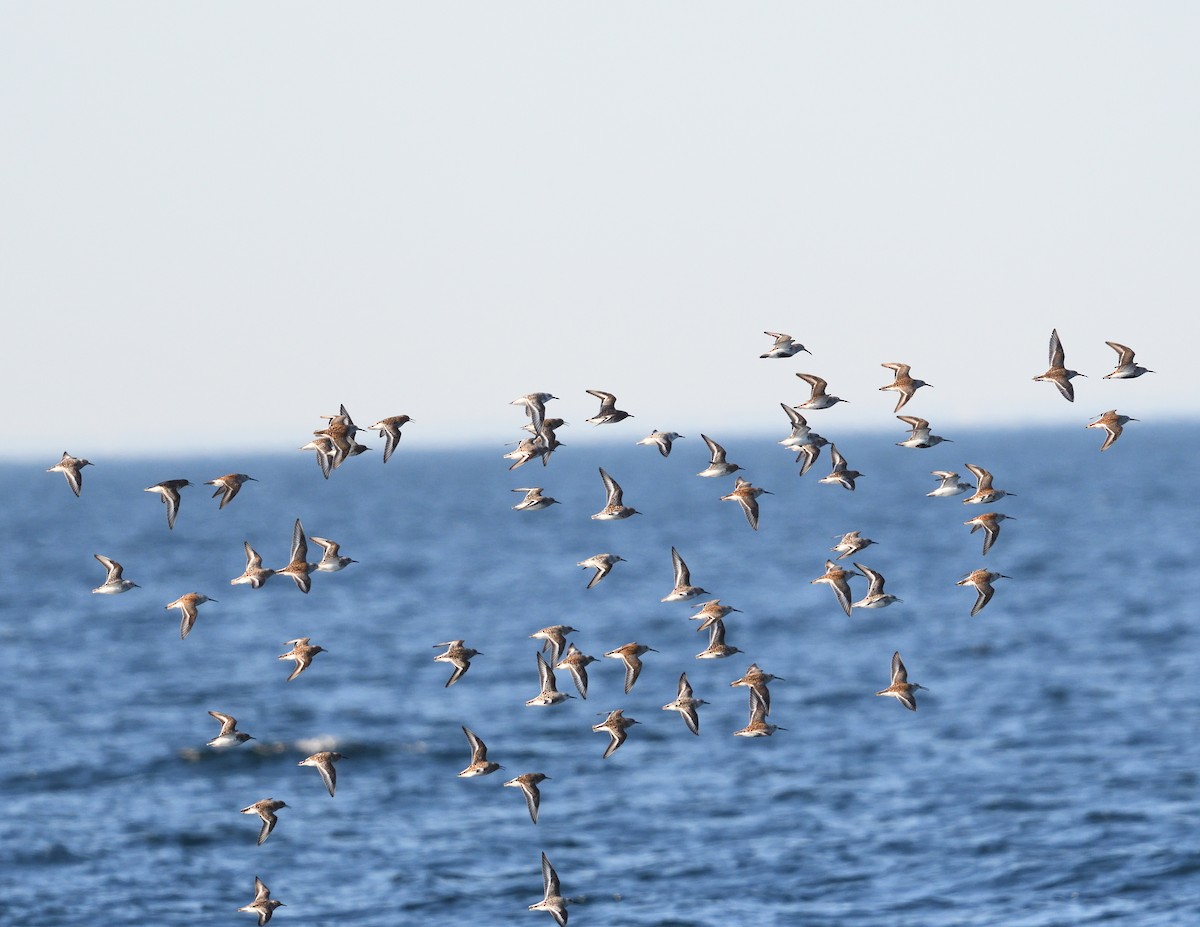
x=220, y=220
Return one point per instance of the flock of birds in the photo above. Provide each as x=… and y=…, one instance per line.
x=337, y=443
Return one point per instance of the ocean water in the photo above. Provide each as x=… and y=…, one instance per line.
x=1050, y=776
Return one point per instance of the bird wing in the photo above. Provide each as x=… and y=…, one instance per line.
x=1057, y=354
x=299, y=545
x=683, y=576
x=1124, y=354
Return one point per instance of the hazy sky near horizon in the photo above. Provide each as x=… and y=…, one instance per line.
x=222, y=220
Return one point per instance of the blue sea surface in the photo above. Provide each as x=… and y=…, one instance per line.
x=1050, y=776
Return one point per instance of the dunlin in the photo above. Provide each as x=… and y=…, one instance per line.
x=458, y=656
x=548, y=693
x=340, y=432
x=717, y=649
x=684, y=590
x=950, y=485
x=631, y=654
x=332, y=560
x=70, y=467
x=756, y=681
x=527, y=449
x=613, y=505
x=746, y=495
x=903, y=384
x=982, y=581
x=298, y=568
x=758, y=726
x=609, y=414
x=819, y=399
x=333, y=447
x=228, y=486
x=389, y=429
x=990, y=523
x=686, y=705
x=602, y=564
x=229, y=736
x=717, y=465
x=344, y=420
x=554, y=639
x=661, y=440
x=553, y=903
x=188, y=606
x=615, y=725
x=113, y=583
x=842, y=475
x=548, y=438
x=784, y=346
x=851, y=543
x=984, y=493
x=168, y=491
x=921, y=435
x=535, y=407
x=807, y=453
x=302, y=653
x=1058, y=374
x=800, y=429
x=837, y=579
x=356, y=449
x=901, y=689
x=324, y=450
x=576, y=663
x=534, y=501
x=255, y=574
x=265, y=809
x=528, y=784
x=710, y=612
x=1126, y=368
x=875, y=597
x=480, y=765
x=323, y=762
x=263, y=904
x=548, y=424
x=1113, y=424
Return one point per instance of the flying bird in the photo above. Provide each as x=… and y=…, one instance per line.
x=323, y=762
x=602, y=564
x=819, y=399
x=188, y=606
x=263, y=904
x=168, y=491
x=389, y=429
x=113, y=583
x=265, y=809
x=1113, y=424
x=903, y=384
x=70, y=467
x=686, y=705
x=609, y=414
x=458, y=656
x=228, y=486
x=784, y=346
x=746, y=495
x=901, y=689
x=981, y=580
x=1058, y=374
x=528, y=784
x=1126, y=369
x=614, y=508
x=553, y=903
x=717, y=465
x=480, y=765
